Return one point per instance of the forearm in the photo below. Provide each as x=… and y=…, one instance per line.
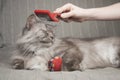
x=105, y=13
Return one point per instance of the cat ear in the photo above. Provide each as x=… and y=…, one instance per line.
x=31, y=20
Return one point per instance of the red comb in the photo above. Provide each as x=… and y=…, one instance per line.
x=52, y=16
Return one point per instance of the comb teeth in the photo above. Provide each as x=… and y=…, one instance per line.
x=52, y=16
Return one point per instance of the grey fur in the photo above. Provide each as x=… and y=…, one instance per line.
x=38, y=45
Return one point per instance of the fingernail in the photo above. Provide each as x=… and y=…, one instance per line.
x=62, y=15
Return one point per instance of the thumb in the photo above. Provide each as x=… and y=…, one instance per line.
x=67, y=15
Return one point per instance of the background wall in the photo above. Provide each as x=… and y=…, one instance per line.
x=13, y=14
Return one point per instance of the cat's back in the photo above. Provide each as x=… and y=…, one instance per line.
x=101, y=40
x=110, y=43
x=101, y=45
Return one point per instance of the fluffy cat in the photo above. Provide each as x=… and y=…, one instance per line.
x=38, y=45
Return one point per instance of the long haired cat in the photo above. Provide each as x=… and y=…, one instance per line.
x=38, y=45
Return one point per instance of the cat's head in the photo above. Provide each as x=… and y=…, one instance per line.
x=37, y=30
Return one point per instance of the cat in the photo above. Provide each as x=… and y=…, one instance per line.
x=38, y=45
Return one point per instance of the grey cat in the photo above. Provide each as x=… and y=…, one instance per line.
x=38, y=45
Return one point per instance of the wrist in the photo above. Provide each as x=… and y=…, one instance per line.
x=90, y=14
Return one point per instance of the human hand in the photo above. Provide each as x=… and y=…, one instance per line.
x=70, y=12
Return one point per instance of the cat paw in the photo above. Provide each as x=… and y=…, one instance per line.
x=18, y=64
x=116, y=63
x=81, y=67
x=40, y=67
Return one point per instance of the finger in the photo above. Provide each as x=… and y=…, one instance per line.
x=67, y=15
x=64, y=8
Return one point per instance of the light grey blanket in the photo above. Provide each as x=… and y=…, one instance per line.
x=6, y=73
